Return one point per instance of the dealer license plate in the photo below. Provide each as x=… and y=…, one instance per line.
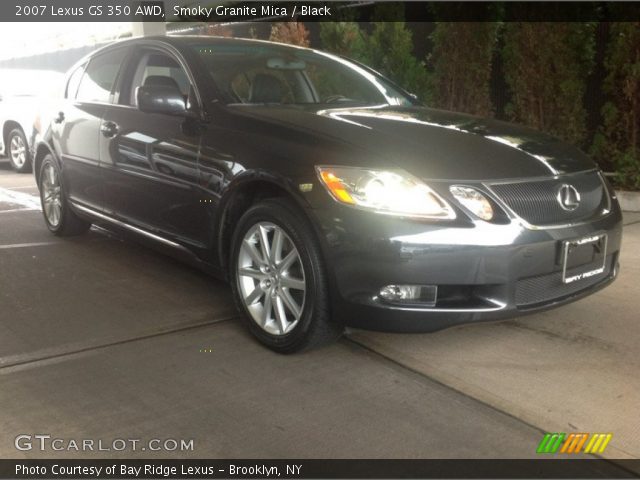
x=583, y=258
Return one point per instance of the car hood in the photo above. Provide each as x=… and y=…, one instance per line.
x=433, y=144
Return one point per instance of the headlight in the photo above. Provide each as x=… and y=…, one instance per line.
x=473, y=200
x=390, y=192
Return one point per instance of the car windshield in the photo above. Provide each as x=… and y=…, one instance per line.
x=256, y=73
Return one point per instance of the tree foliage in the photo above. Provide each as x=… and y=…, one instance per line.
x=461, y=62
x=293, y=33
x=389, y=49
x=618, y=138
x=546, y=66
x=344, y=38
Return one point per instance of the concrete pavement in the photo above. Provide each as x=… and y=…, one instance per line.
x=101, y=338
x=240, y=400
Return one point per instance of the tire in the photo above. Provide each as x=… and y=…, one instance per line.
x=268, y=291
x=58, y=216
x=17, y=149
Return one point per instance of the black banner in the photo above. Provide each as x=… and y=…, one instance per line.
x=312, y=11
x=288, y=469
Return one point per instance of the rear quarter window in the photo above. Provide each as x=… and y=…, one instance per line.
x=74, y=82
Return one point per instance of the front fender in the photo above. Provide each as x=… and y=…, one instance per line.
x=243, y=191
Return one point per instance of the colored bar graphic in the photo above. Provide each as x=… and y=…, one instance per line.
x=558, y=442
x=550, y=443
x=543, y=444
x=598, y=443
x=573, y=443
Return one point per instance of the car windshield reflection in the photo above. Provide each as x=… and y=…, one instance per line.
x=282, y=75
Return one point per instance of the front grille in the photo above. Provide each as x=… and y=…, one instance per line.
x=543, y=289
x=537, y=201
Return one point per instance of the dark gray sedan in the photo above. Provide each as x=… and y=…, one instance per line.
x=323, y=192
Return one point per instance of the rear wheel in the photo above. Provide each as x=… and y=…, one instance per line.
x=18, y=151
x=58, y=216
x=278, y=278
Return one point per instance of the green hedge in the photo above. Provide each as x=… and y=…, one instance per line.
x=460, y=66
x=388, y=48
x=618, y=138
x=546, y=65
x=344, y=38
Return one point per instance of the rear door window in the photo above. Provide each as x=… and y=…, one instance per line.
x=100, y=76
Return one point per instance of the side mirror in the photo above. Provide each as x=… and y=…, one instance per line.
x=160, y=99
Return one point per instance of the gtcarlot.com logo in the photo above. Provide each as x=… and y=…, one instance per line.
x=46, y=442
x=574, y=443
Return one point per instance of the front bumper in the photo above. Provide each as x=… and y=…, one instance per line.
x=483, y=271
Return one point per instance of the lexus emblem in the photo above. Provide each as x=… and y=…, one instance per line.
x=568, y=197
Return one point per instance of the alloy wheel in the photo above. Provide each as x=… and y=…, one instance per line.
x=18, y=151
x=51, y=195
x=271, y=278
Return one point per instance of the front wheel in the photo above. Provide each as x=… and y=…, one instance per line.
x=279, y=280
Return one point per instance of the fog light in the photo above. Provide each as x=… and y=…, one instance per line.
x=425, y=295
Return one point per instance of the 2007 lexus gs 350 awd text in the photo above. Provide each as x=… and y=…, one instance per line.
x=324, y=193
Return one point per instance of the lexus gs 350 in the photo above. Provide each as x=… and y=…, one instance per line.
x=323, y=192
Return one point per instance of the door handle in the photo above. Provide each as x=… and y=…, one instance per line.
x=59, y=118
x=109, y=129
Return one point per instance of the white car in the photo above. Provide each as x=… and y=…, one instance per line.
x=23, y=95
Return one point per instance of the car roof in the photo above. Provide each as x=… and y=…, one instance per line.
x=178, y=41
x=186, y=40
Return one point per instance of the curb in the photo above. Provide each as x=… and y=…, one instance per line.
x=629, y=201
